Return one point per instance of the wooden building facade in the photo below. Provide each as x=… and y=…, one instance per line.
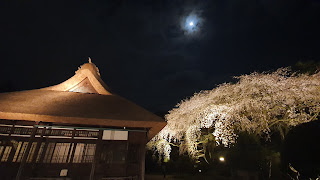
x=75, y=130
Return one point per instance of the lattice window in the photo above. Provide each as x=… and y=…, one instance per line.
x=31, y=152
x=133, y=155
x=16, y=154
x=22, y=130
x=60, y=153
x=84, y=153
x=89, y=153
x=20, y=150
x=2, y=148
x=49, y=153
x=6, y=153
x=114, y=152
x=40, y=151
x=59, y=132
x=5, y=129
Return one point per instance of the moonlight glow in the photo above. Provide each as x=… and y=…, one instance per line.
x=191, y=24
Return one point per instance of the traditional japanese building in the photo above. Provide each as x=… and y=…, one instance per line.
x=75, y=130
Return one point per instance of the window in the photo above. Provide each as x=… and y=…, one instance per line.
x=20, y=150
x=32, y=152
x=40, y=152
x=133, y=155
x=4, y=129
x=55, y=152
x=114, y=152
x=49, y=153
x=21, y=147
x=84, y=153
x=89, y=153
x=60, y=153
x=7, y=150
x=115, y=135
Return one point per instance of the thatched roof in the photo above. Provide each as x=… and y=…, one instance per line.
x=83, y=99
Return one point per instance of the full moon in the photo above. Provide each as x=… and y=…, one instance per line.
x=191, y=24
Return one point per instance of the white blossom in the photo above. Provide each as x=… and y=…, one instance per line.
x=258, y=103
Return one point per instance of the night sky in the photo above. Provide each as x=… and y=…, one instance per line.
x=145, y=50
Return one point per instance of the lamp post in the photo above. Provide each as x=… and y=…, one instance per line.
x=221, y=159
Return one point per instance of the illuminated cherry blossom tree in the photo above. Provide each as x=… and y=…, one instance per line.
x=258, y=103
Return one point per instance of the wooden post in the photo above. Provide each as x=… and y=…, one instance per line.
x=54, y=147
x=96, y=154
x=71, y=143
x=12, y=150
x=45, y=147
x=74, y=147
x=143, y=156
x=25, y=155
x=34, y=164
x=38, y=145
x=72, y=150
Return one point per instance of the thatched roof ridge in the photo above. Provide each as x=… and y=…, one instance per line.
x=87, y=71
x=60, y=105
